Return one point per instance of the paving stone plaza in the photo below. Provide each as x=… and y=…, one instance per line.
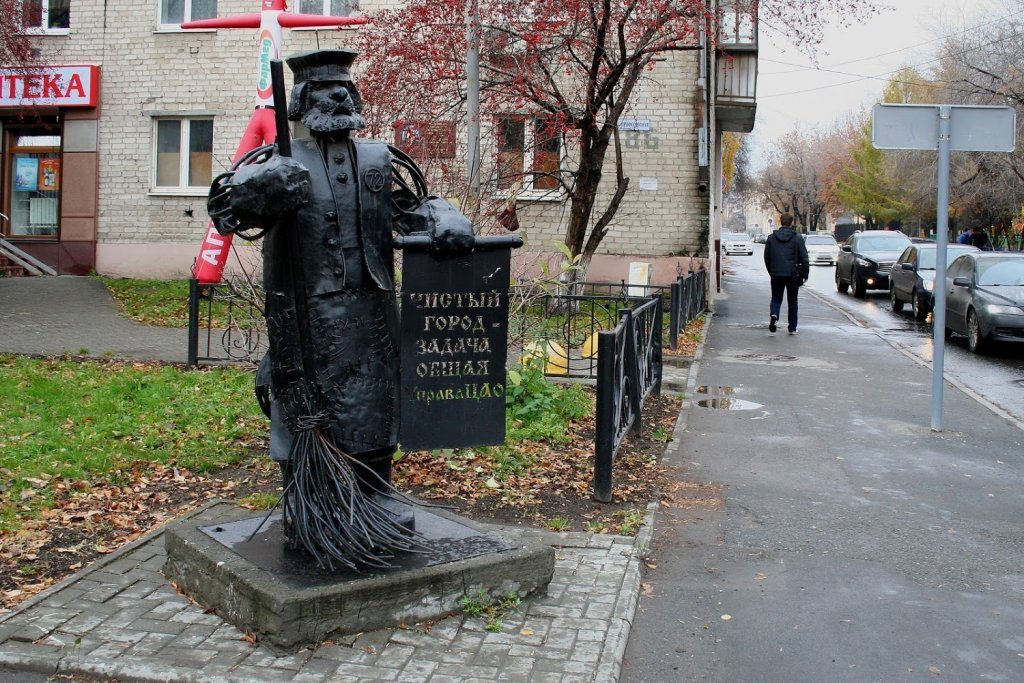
x=121, y=619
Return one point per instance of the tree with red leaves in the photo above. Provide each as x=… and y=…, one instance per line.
x=17, y=17
x=574, y=64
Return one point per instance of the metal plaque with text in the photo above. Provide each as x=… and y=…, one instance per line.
x=453, y=349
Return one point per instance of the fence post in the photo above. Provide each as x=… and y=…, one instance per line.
x=656, y=364
x=605, y=419
x=193, y=322
x=673, y=312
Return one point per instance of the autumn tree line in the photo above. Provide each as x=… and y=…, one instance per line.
x=836, y=171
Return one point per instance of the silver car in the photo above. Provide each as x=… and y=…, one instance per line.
x=737, y=243
x=823, y=250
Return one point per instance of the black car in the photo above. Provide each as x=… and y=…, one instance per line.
x=985, y=298
x=866, y=259
x=912, y=279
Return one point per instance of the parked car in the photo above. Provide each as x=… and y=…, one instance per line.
x=737, y=243
x=912, y=279
x=866, y=258
x=985, y=298
x=822, y=249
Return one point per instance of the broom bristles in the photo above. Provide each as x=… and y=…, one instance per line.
x=327, y=513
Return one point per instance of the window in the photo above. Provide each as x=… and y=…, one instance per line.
x=183, y=155
x=529, y=149
x=426, y=139
x=46, y=16
x=334, y=8
x=174, y=12
x=34, y=167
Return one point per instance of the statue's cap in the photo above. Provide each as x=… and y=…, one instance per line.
x=322, y=65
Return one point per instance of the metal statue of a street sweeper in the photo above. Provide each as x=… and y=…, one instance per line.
x=327, y=207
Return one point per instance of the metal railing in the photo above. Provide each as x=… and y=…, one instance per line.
x=563, y=329
x=688, y=300
x=629, y=370
x=238, y=339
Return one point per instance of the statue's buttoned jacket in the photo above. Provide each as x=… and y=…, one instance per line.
x=332, y=316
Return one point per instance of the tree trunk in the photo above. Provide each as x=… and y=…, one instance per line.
x=593, y=147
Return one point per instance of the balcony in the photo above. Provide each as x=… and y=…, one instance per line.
x=736, y=59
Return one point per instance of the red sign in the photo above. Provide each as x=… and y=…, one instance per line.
x=50, y=86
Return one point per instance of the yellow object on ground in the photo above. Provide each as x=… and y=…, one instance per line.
x=589, y=348
x=556, y=360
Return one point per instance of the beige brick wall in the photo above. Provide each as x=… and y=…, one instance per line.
x=145, y=72
x=668, y=220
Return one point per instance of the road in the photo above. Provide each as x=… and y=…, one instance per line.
x=996, y=376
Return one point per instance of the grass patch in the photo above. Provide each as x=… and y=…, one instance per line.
x=80, y=420
x=152, y=302
x=479, y=604
x=164, y=303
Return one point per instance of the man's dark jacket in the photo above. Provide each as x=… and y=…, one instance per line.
x=785, y=254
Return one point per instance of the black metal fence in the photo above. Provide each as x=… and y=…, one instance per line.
x=223, y=325
x=688, y=300
x=562, y=329
x=629, y=360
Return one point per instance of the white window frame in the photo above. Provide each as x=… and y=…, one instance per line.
x=44, y=26
x=182, y=188
x=187, y=12
x=528, y=192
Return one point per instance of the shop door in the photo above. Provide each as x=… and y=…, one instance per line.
x=32, y=182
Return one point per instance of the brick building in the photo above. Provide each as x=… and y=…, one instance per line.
x=109, y=146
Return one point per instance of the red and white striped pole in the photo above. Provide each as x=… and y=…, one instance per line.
x=213, y=254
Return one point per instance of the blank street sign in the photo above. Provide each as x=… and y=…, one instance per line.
x=916, y=126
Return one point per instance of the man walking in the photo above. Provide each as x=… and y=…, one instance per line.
x=785, y=257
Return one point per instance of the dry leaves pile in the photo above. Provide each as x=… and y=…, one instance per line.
x=556, y=483
x=89, y=519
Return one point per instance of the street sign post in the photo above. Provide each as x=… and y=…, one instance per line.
x=945, y=128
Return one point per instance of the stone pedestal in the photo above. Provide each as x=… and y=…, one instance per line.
x=283, y=598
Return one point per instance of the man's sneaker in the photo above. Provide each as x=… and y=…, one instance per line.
x=792, y=331
x=771, y=323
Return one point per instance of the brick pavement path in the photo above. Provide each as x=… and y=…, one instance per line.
x=120, y=618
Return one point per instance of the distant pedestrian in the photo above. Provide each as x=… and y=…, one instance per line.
x=785, y=256
x=979, y=239
x=965, y=237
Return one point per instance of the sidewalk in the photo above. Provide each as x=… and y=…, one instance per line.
x=850, y=542
x=76, y=315
x=120, y=619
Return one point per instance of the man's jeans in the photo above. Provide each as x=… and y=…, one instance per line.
x=789, y=286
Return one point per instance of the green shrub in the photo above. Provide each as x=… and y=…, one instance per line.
x=537, y=408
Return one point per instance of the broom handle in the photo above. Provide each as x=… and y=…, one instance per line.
x=284, y=141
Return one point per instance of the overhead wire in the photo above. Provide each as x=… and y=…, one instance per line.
x=886, y=76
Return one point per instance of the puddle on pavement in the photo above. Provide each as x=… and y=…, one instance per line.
x=728, y=404
x=718, y=390
x=766, y=358
x=719, y=399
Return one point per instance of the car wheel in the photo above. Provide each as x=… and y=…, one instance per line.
x=856, y=288
x=841, y=286
x=897, y=305
x=975, y=342
x=921, y=309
